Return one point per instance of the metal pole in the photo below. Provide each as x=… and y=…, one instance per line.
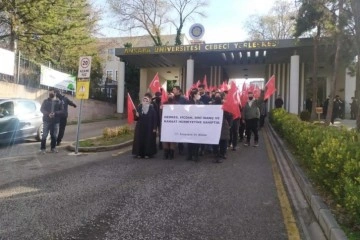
x=78, y=128
x=18, y=69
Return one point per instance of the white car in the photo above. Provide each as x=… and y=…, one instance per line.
x=20, y=119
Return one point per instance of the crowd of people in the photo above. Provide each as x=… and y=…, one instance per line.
x=233, y=129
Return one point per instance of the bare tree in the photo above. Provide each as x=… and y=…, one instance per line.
x=147, y=15
x=277, y=24
x=186, y=9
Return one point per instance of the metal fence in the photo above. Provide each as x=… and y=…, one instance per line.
x=28, y=72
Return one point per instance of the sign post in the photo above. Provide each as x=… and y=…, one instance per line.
x=82, y=90
x=319, y=111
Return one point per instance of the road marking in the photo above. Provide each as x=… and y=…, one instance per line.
x=287, y=212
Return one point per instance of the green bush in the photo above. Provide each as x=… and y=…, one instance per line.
x=330, y=155
x=305, y=116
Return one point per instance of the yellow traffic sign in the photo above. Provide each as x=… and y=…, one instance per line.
x=82, y=89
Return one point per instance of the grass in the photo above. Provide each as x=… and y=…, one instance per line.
x=350, y=233
x=109, y=117
x=101, y=141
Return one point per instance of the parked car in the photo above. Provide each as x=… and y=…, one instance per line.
x=20, y=119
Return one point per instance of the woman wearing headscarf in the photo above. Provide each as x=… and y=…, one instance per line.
x=144, y=144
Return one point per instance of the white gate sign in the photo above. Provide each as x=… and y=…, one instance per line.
x=191, y=123
x=84, y=67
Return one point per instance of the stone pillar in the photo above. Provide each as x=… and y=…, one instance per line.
x=143, y=82
x=189, y=74
x=120, y=87
x=294, y=84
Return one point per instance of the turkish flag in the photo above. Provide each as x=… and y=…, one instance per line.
x=155, y=84
x=224, y=86
x=270, y=87
x=205, y=83
x=244, y=95
x=130, y=109
x=164, y=96
x=231, y=103
x=197, y=84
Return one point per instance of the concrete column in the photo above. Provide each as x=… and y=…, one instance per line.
x=350, y=86
x=143, y=82
x=120, y=87
x=189, y=74
x=294, y=84
x=288, y=88
x=302, y=88
x=220, y=80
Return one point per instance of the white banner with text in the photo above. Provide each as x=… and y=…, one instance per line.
x=52, y=78
x=7, y=62
x=191, y=123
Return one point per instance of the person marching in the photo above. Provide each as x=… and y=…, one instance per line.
x=156, y=102
x=251, y=115
x=144, y=144
x=193, y=148
x=179, y=99
x=63, y=119
x=169, y=147
x=220, y=149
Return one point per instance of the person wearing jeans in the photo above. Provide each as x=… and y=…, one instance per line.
x=251, y=115
x=63, y=119
x=52, y=109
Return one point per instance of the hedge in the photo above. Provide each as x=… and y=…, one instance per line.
x=330, y=156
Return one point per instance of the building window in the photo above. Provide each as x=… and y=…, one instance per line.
x=111, y=54
x=116, y=76
x=109, y=75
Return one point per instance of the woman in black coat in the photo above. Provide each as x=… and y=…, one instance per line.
x=144, y=145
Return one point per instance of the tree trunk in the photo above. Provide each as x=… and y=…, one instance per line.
x=357, y=94
x=178, y=36
x=355, y=7
x=314, y=75
x=336, y=64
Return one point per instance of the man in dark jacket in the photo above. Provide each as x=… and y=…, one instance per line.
x=251, y=115
x=63, y=119
x=179, y=99
x=52, y=110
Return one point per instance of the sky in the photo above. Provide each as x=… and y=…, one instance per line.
x=224, y=22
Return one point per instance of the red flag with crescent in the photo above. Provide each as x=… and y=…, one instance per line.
x=270, y=87
x=205, y=83
x=164, y=96
x=130, y=109
x=231, y=103
x=244, y=95
x=155, y=84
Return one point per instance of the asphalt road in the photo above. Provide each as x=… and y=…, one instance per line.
x=31, y=147
x=112, y=195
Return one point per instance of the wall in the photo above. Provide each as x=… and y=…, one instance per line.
x=91, y=110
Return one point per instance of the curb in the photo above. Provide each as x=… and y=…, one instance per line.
x=323, y=216
x=72, y=147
